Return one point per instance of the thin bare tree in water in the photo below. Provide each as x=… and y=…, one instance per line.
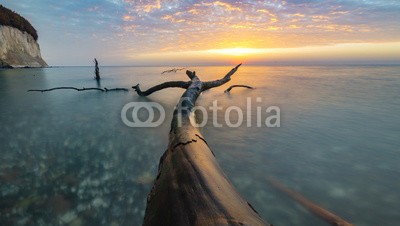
x=96, y=70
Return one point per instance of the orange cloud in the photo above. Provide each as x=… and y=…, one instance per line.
x=339, y=13
x=320, y=18
x=193, y=11
x=225, y=5
x=128, y=18
x=149, y=7
x=266, y=12
x=297, y=15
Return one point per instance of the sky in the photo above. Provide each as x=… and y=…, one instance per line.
x=207, y=32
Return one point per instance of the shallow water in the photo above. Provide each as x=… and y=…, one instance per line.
x=67, y=158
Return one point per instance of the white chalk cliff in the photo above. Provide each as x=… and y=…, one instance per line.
x=19, y=49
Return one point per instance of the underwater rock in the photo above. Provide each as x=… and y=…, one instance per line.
x=68, y=217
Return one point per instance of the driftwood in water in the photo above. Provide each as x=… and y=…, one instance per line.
x=191, y=188
x=236, y=86
x=173, y=70
x=96, y=70
x=77, y=89
x=326, y=215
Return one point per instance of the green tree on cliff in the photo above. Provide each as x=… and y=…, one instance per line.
x=13, y=19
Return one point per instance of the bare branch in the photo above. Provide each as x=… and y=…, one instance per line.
x=219, y=82
x=328, y=216
x=173, y=70
x=77, y=89
x=171, y=84
x=116, y=89
x=230, y=73
x=46, y=90
x=185, y=85
x=235, y=86
x=191, y=74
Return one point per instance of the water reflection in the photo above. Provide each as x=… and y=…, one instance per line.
x=66, y=157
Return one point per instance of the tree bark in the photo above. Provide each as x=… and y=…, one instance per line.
x=191, y=188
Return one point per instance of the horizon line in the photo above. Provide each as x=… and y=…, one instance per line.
x=249, y=64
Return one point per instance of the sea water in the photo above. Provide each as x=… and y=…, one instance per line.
x=67, y=158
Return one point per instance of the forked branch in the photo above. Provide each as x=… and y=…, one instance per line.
x=185, y=85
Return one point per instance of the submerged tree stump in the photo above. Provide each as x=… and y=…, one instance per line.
x=96, y=70
x=191, y=188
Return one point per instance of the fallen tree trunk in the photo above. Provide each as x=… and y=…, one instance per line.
x=191, y=188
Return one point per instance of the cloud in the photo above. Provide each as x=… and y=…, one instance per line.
x=145, y=26
x=223, y=5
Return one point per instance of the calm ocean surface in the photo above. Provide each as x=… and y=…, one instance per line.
x=66, y=158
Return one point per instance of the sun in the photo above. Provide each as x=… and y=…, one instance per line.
x=236, y=51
